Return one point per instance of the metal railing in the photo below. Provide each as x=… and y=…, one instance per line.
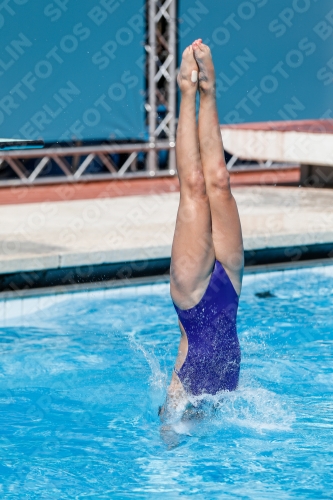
x=74, y=163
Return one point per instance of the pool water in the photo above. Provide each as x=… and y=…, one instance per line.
x=82, y=378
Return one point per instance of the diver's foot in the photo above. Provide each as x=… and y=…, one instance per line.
x=187, y=78
x=204, y=60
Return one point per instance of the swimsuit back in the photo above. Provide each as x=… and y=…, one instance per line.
x=213, y=360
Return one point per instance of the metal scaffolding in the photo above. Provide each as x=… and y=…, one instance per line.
x=161, y=47
x=77, y=163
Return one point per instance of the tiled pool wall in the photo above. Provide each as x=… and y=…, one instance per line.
x=15, y=308
x=19, y=307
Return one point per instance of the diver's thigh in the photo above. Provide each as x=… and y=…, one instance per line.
x=227, y=235
x=192, y=256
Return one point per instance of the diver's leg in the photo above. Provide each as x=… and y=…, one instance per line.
x=192, y=256
x=226, y=228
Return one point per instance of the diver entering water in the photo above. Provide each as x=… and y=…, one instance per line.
x=207, y=257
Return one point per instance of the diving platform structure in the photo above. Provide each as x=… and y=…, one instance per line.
x=305, y=142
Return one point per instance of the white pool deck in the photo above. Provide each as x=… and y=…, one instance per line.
x=91, y=232
x=64, y=234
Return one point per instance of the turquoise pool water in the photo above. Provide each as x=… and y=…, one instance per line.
x=82, y=377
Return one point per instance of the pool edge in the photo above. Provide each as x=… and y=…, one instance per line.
x=149, y=280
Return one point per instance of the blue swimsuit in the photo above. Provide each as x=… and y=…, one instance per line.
x=213, y=360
